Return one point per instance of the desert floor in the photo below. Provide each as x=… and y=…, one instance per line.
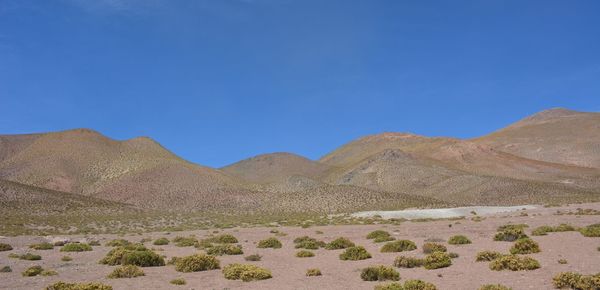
x=289, y=271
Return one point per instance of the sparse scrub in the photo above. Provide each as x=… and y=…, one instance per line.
x=512, y=226
x=270, y=243
x=6, y=269
x=76, y=247
x=185, y=241
x=339, y=243
x=225, y=249
x=408, y=285
x=408, y=262
x=127, y=271
x=222, y=239
x=308, y=243
x=354, y=254
x=304, y=254
x=5, y=247
x=161, y=242
x=437, y=260
x=514, y=263
x=486, y=256
x=178, y=281
x=576, y=281
x=384, y=239
x=42, y=246
x=591, y=231
x=66, y=259
x=398, y=246
x=525, y=246
x=562, y=261
x=494, y=287
x=453, y=255
x=379, y=273
x=245, y=272
x=429, y=248
x=38, y=270
x=93, y=243
x=459, y=240
x=253, y=257
x=378, y=234
x=510, y=235
x=118, y=243
x=196, y=263
x=30, y=257
x=544, y=230
x=78, y=286
x=313, y=272
x=137, y=255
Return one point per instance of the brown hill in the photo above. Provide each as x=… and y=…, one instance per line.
x=556, y=135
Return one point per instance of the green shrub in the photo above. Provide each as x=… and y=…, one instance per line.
x=355, y=253
x=33, y=271
x=378, y=234
x=437, y=260
x=576, y=281
x=389, y=286
x=78, y=286
x=178, y=281
x=339, y=243
x=161, y=242
x=76, y=247
x=398, y=246
x=66, y=259
x=133, y=255
x=453, y=255
x=118, y=243
x=408, y=262
x=14, y=256
x=42, y=246
x=591, y=231
x=564, y=228
x=486, y=256
x=222, y=239
x=127, y=271
x=525, y=246
x=514, y=263
x=92, y=243
x=313, y=272
x=512, y=226
x=304, y=254
x=270, y=243
x=253, y=257
x=49, y=273
x=429, y=248
x=544, y=230
x=185, y=241
x=384, y=239
x=379, y=273
x=494, y=287
x=5, y=247
x=510, y=235
x=225, y=249
x=418, y=285
x=5, y=269
x=245, y=272
x=458, y=240
x=562, y=261
x=30, y=257
x=308, y=243
x=197, y=263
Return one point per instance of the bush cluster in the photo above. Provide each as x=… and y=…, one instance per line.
x=133, y=254
x=380, y=236
x=308, y=243
x=355, y=253
x=161, y=242
x=196, y=263
x=408, y=262
x=514, y=263
x=225, y=249
x=178, y=281
x=304, y=254
x=185, y=241
x=408, y=285
x=30, y=257
x=5, y=247
x=78, y=286
x=591, y=231
x=494, y=287
x=525, y=246
x=118, y=243
x=379, y=273
x=576, y=281
x=127, y=271
x=42, y=246
x=245, y=272
x=486, y=256
x=398, y=246
x=437, y=260
x=6, y=269
x=459, y=240
x=253, y=257
x=510, y=235
x=429, y=248
x=339, y=243
x=222, y=239
x=270, y=243
x=544, y=230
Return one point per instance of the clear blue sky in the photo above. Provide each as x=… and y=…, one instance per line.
x=219, y=81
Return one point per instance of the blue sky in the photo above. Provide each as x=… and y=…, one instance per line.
x=219, y=81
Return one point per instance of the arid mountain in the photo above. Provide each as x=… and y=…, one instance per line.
x=556, y=135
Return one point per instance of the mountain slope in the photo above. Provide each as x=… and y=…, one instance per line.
x=555, y=135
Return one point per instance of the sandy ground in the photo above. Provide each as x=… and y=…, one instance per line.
x=289, y=272
x=442, y=213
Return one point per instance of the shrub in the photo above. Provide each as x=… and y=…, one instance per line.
x=5, y=247
x=5, y=269
x=49, y=273
x=429, y=248
x=222, y=239
x=390, y=286
x=514, y=263
x=66, y=259
x=437, y=260
x=161, y=242
x=78, y=286
x=384, y=239
x=510, y=235
x=313, y=272
x=185, y=241
x=92, y=243
x=562, y=261
x=76, y=247
x=253, y=257
x=178, y=281
x=525, y=246
x=270, y=243
x=379, y=273
x=42, y=246
x=197, y=263
x=355, y=253
x=453, y=255
x=458, y=240
x=225, y=249
x=308, y=243
x=339, y=243
x=14, y=256
x=512, y=226
x=418, y=285
x=488, y=256
x=398, y=246
x=127, y=271
x=494, y=287
x=118, y=243
x=30, y=257
x=33, y=271
x=133, y=255
x=576, y=281
x=408, y=262
x=245, y=272
x=378, y=234
x=544, y=230
x=591, y=231
x=305, y=254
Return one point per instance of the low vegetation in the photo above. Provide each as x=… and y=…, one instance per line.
x=544, y=230
x=30, y=257
x=246, y=272
x=486, y=256
x=5, y=247
x=6, y=269
x=66, y=259
x=437, y=260
x=514, y=263
x=78, y=286
x=429, y=248
x=355, y=253
x=222, y=239
x=408, y=285
x=42, y=246
x=459, y=240
x=591, y=231
x=161, y=242
x=225, y=249
x=398, y=246
x=339, y=243
x=38, y=271
x=572, y=280
x=525, y=246
x=185, y=241
x=178, y=281
x=76, y=247
x=494, y=287
x=270, y=243
x=304, y=254
x=197, y=263
x=134, y=254
x=408, y=262
x=308, y=243
x=510, y=234
x=313, y=272
x=253, y=257
x=379, y=273
x=127, y=271
x=380, y=236
x=118, y=243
